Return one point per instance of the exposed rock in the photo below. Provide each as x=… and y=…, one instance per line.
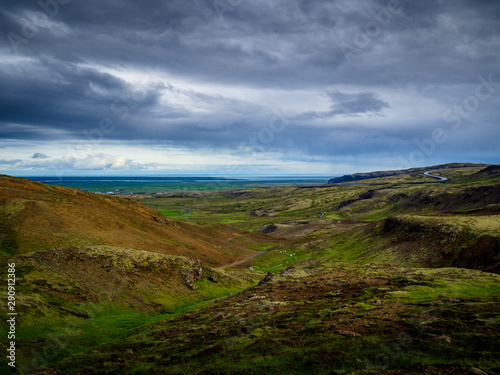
x=213, y=278
x=255, y=296
x=471, y=198
x=479, y=254
x=344, y=332
x=195, y=275
x=346, y=203
x=259, y=213
x=406, y=227
x=270, y=228
x=391, y=224
x=366, y=195
x=266, y=279
x=219, y=316
x=290, y=269
x=200, y=273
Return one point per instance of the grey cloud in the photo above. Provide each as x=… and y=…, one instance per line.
x=263, y=42
x=39, y=155
x=348, y=104
x=52, y=95
x=363, y=102
x=11, y=162
x=55, y=90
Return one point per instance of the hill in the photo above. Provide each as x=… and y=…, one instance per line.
x=322, y=318
x=34, y=216
x=455, y=223
x=379, y=174
x=97, y=266
x=392, y=275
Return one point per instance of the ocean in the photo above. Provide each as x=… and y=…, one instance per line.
x=124, y=185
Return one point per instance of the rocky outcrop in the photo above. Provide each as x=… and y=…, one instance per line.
x=266, y=279
x=366, y=195
x=267, y=229
x=196, y=274
x=213, y=278
x=468, y=199
x=479, y=254
x=438, y=244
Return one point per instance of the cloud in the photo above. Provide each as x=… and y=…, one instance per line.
x=89, y=163
x=104, y=161
x=182, y=74
x=363, y=102
x=39, y=155
x=10, y=163
x=352, y=104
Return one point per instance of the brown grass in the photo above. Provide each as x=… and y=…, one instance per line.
x=39, y=217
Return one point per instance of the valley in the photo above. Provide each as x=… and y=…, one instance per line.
x=382, y=273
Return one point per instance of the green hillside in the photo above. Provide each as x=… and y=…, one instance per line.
x=391, y=275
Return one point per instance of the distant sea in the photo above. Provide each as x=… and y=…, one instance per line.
x=124, y=185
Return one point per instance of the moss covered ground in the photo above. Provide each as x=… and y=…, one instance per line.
x=322, y=318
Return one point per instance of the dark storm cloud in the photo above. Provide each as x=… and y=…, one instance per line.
x=39, y=155
x=54, y=86
x=46, y=95
x=356, y=103
x=348, y=104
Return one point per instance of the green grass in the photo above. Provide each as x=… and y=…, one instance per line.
x=453, y=283
x=277, y=260
x=45, y=318
x=264, y=247
x=169, y=213
x=68, y=335
x=256, y=336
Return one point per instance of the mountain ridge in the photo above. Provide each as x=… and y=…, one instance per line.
x=377, y=174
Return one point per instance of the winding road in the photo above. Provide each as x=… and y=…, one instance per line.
x=440, y=179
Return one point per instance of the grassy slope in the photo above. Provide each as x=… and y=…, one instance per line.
x=404, y=172
x=69, y=278
x=74, y=299
x=35, y=217
x=307, y=318
x=322, y=318
x=452, y=224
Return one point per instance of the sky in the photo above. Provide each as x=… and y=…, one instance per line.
x=258, y=87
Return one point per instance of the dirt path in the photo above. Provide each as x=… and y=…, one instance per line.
x=243, y=260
